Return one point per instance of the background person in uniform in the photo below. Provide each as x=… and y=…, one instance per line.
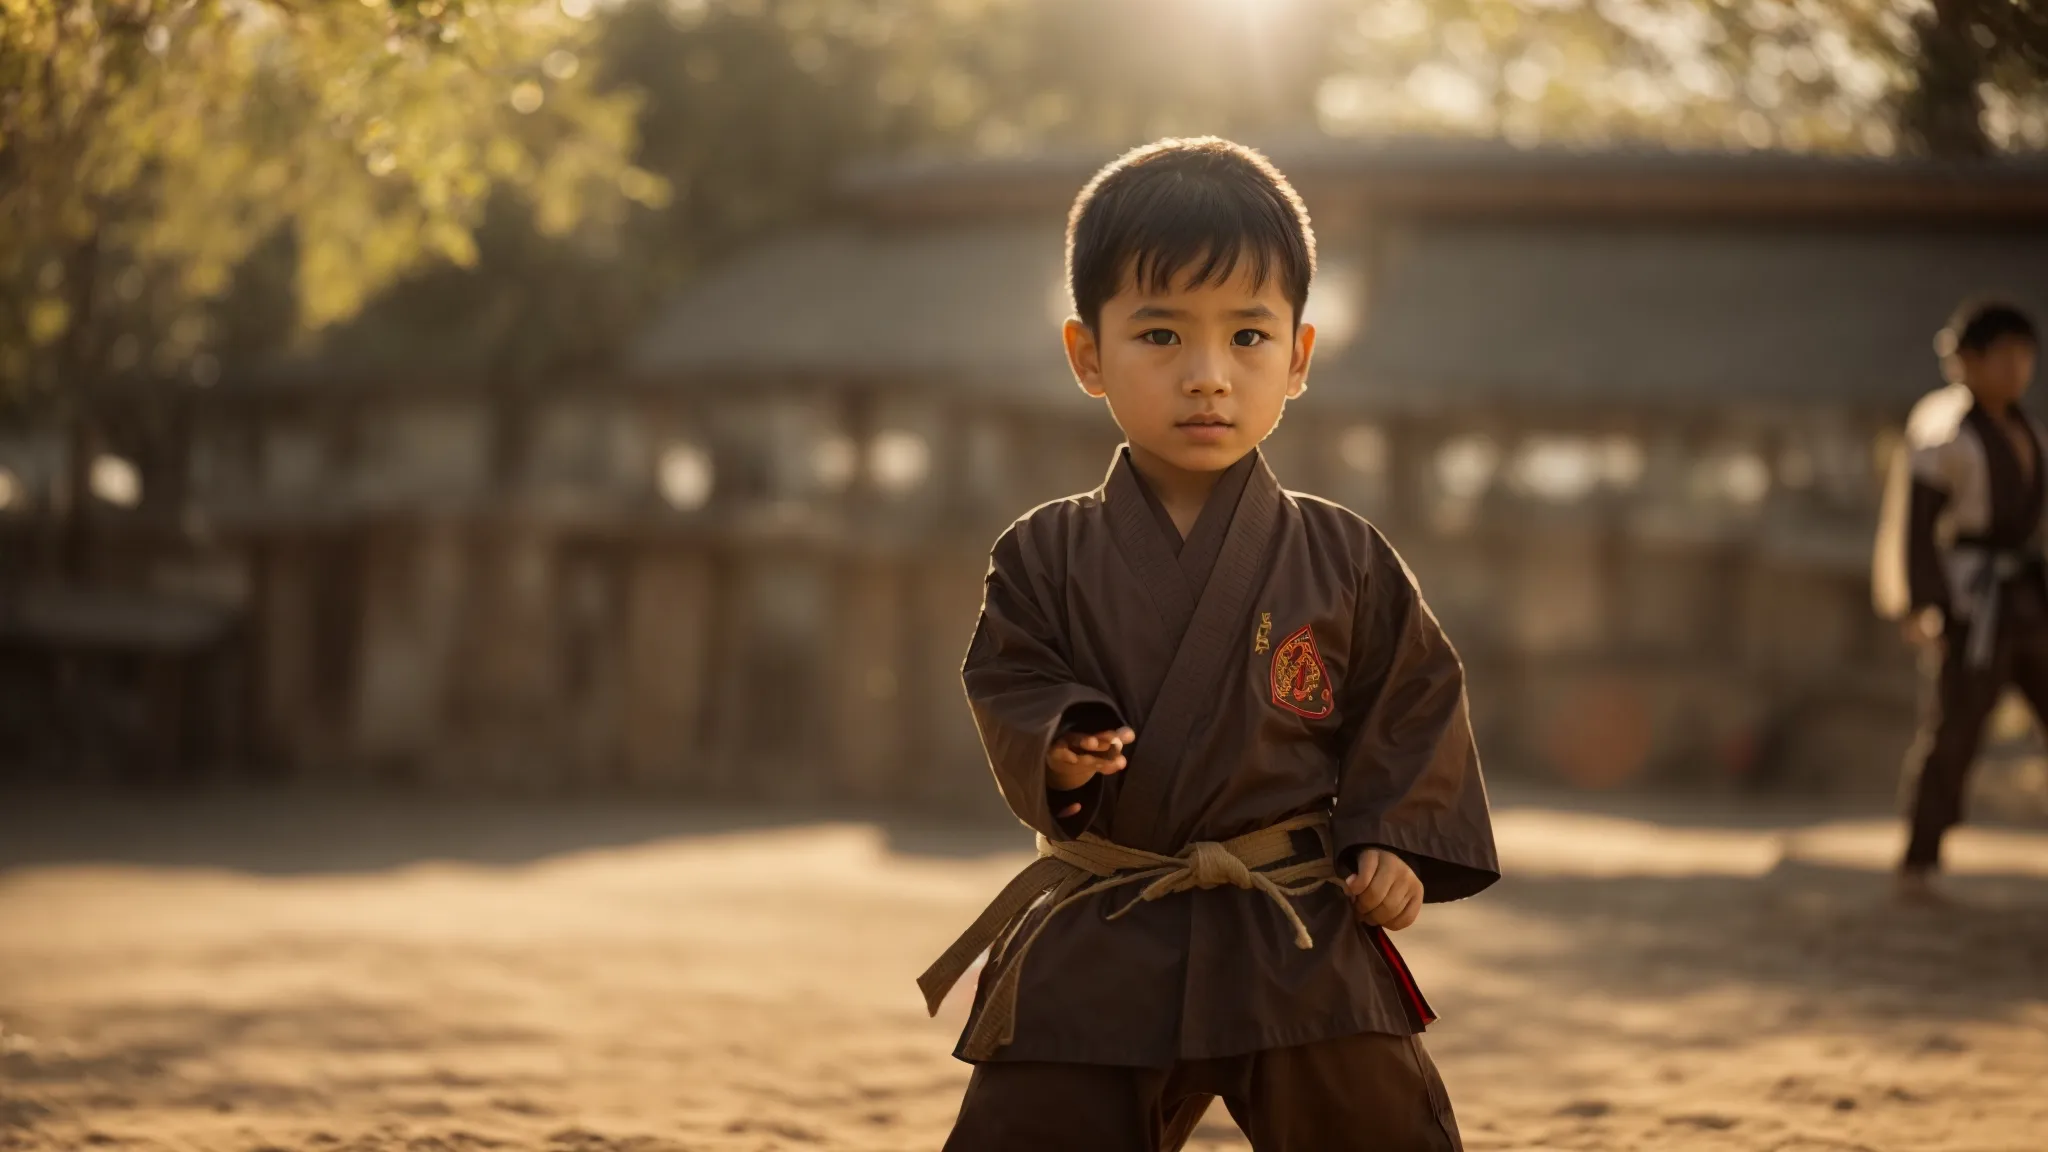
x=1959, y=560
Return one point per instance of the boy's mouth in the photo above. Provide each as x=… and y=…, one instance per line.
x=1206, y=428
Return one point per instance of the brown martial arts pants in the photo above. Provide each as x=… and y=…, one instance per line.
x=1959, y=707
x=1365, y=1093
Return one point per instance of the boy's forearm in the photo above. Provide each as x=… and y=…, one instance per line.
x=1019, y=718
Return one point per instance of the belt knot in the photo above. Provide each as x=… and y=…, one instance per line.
x=1073, y=870
x=1211, y=865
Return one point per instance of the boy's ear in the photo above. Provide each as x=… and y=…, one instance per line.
x=1084, y=356
x=1304, y=351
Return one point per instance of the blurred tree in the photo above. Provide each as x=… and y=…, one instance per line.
x=752, y=109
x=436, y=156
x=752, y=106
x=147, y=147
x=1954, y=78
x=748, y=112
x=168, y=138
x=1741, y=74
x=1943, y=112
x=1979, y=72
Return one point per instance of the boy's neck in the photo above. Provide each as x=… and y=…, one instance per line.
x=1181, y=492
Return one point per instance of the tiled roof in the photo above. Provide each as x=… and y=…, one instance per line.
x=1473, y=313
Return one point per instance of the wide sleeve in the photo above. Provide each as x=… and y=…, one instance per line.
x=1906, y=572
x=1890, y=586
x=1409, y=778
x=1926, y=580
x=1022, y=690
x=1932, y=465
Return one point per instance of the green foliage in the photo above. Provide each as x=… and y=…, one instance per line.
x=752, y=106
x=147, y=147
x=1689, y=73
x=1979, y=72
x=470, y=169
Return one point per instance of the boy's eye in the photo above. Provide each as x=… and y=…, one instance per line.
x=1159, y=336
x=1249, y=338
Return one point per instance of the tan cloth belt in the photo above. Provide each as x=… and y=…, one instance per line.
x=1071, y=870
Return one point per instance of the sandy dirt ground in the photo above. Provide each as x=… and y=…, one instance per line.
x=336, y=974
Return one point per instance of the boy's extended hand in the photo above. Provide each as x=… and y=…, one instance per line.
x=1077, y=757
x=1385, y=891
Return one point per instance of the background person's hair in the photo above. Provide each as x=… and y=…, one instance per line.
x=1978, y=324
x=1186, y=207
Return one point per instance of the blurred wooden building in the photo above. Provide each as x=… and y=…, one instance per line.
x=1623, y=413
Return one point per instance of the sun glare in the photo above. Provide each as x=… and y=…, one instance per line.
x=1245, y=9
x=116, y=481
x=684, y=476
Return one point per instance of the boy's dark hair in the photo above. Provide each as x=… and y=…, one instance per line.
x=1978, y=324
x=1203, y=203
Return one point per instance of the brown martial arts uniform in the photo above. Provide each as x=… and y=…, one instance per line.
x=1972, y=531
x=1279, y=668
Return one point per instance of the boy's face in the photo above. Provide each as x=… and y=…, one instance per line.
x=1198, y=375
x=2000, y=373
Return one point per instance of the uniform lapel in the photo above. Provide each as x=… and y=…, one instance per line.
x=2014, y=508
x=1205, y=543
x=1146, y=550
x=1157, y=776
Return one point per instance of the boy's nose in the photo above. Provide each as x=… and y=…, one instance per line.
x=1207, y=376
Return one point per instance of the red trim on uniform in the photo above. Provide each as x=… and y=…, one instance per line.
x=1418, y=1008
x=1298, y=680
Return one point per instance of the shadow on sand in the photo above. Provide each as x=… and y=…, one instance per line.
x=1830, y=936
x=283, y=832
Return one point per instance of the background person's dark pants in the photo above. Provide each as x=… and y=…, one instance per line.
x=1961, y=704
x=1365, y=1093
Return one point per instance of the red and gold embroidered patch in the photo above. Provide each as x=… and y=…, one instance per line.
x=1300, y=683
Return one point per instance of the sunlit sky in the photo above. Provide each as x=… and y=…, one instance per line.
x=1793, y=74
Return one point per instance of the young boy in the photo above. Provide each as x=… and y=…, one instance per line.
x=1238, y=731
x=1959, y=559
